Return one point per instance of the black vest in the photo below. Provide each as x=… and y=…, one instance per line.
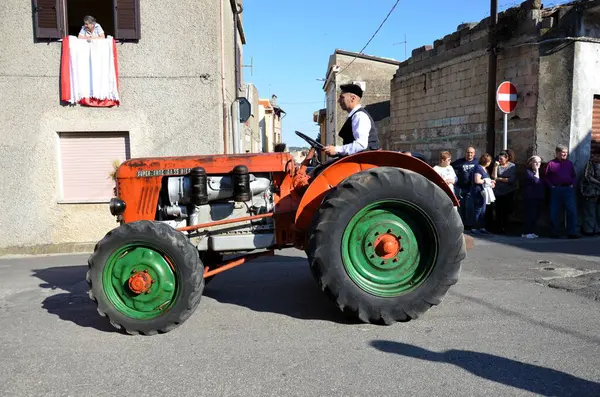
x=348, y=136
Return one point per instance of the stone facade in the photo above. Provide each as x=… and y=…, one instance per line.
x=270, y=115
x=251, y=131
x=373, y=73
x=439, y=95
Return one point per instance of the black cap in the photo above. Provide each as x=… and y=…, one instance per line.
x=352, y=89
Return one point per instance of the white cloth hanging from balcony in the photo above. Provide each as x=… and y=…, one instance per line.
x=89, y=72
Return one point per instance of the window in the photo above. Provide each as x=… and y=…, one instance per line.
x=86, y=162
x=54, y=19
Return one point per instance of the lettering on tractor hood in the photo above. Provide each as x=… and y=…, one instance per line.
x=171, y=171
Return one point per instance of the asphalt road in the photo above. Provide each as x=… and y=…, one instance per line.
x=508, y=328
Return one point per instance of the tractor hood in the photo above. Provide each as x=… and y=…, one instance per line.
x=149, y=167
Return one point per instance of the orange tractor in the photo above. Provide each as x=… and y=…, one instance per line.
x=381, y=231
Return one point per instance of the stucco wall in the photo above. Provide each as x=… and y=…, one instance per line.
x=171, y=105
x=554, y=103
x=586, y=84
x=251, y=126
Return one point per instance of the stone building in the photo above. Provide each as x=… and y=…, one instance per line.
x=372, y=73
x=251, y=139
x=269, y=116
x=552, y=55
x=177, y=94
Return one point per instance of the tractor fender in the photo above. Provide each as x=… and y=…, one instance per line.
x=343, y=168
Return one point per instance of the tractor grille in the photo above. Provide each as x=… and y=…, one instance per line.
x=146, y=205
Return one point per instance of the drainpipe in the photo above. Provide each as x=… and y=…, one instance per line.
x=235, y=106
x=491, y=100
x=223, y=80
x=235, y=117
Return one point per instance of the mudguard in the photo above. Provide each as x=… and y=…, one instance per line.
x=341, y=169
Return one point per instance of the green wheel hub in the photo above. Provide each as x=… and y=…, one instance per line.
x=140, y=281
x=389, y=248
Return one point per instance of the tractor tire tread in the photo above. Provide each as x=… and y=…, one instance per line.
x=342, y=290
x=191, y=278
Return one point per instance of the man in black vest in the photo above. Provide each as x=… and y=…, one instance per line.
x=358, y=132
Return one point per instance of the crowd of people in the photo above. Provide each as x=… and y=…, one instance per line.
x=488, y=190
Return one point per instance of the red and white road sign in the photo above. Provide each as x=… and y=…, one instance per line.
x=506, y=97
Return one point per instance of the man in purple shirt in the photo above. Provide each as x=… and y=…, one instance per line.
x=560, y=178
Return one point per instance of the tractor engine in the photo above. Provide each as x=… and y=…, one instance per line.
x=198, y=198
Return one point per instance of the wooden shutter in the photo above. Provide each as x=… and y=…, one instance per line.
x=127, y=19
x=87, y=161
x=595, y=149
x=47, y=17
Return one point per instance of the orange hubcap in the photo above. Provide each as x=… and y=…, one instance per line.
x=387, y=246
x=140, y=282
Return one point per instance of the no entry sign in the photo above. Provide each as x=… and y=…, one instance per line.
x=506, y=97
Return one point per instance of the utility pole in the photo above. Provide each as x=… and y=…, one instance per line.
x=492, y=66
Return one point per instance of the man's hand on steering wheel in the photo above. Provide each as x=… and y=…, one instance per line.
x=330, y=150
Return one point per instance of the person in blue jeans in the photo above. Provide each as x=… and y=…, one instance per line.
x=463, y=168
x=480, y=178
x=559, y=177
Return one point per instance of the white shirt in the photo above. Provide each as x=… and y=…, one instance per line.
x=361, y=126
x=446, y=173
x=94, y=33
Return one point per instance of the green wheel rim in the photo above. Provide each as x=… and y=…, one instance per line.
x=412, y=243
x=125, y=263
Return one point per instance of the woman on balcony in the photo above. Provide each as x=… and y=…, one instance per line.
x=91, y=29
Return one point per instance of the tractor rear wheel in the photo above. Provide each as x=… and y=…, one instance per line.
x=146, y=277
x=386, y=245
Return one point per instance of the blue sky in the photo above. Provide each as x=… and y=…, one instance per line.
x=291, y=41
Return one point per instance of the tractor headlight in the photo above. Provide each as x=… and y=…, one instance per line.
x=117, y=206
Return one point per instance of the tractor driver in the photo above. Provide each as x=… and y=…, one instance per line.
x=359, y=131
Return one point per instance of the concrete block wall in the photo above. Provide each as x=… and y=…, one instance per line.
x=439, y=95
x=519, y=65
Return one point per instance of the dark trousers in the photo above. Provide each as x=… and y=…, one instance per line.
x=466, y=209
x=562, y=198
x=591, y=215
x=531, y=211
x=479, y=209
x=504, y=209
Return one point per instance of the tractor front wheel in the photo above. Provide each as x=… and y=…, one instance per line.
x=146, y=277
x=386, y=245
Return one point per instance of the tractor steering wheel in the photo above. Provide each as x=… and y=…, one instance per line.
x=311, y=142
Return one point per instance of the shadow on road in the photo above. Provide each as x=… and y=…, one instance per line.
x=74, y=305
x=533, y=378
x=281, y=284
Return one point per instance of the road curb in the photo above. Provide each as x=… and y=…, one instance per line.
x=45, y=249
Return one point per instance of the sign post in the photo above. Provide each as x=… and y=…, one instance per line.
x=506, y=97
